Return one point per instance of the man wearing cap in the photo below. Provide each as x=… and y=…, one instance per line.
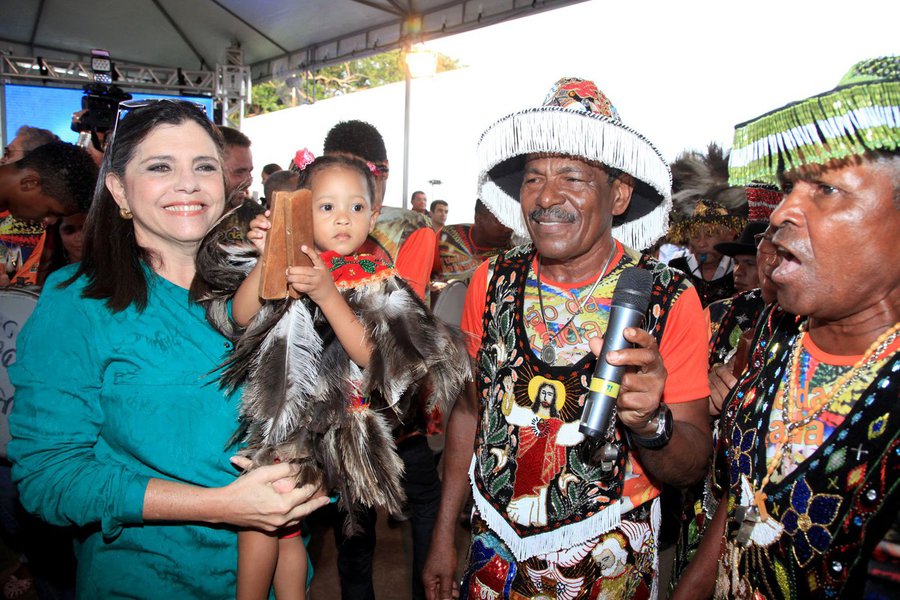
x=743, y=252
x=731, y=323
x=731, y=318
x=558, y=514
x=808, y=465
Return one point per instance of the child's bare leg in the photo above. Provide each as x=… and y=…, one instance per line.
x=257, y=557
x=290, y=572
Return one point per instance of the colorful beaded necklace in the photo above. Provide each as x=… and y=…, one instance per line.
x=875, y=350
x=548, y=352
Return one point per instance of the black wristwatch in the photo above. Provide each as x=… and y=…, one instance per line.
x=663, y=430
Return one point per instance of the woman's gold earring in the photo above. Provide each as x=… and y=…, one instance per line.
x=125, y=214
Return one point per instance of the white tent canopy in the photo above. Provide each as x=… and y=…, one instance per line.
x=278, y=37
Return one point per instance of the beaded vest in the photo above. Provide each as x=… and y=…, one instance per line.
x=729, y=319
x=563, y=498
x=834, y=507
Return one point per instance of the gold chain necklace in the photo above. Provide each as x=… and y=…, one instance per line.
x=875, y=350
x=548, y=352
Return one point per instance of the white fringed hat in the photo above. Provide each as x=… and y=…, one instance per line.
x=577, y=120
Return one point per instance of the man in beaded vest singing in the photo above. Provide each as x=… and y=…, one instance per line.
x=809, y=456
x=557, y=513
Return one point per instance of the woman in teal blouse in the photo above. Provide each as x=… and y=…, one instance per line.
x=119, y=425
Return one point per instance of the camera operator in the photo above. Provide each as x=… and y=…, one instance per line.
x=97, y=117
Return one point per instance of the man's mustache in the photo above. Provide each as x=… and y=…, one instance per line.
x=554, y=213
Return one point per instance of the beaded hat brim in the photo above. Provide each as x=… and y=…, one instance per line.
x=860, y=116
x=682, y=231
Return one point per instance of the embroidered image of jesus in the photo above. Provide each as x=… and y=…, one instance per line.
x=541, y=455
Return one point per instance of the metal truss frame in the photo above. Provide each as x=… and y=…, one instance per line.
x=75, y=73
x=229, y=84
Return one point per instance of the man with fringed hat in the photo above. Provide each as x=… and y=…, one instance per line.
x=710, y=271
x=731, y=324
x=558, y=514
x=705, y=211
x=807, y=471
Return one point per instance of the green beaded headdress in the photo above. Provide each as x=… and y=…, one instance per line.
x=861, y=114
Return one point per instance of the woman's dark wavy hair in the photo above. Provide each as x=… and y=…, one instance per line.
x=337, y=160
x=112, y=260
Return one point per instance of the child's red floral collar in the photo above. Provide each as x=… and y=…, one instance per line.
x=356, y=270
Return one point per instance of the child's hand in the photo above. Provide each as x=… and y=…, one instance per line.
x=315, y=281
x=259, y=228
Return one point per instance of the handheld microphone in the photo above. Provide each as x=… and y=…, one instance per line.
x=629, y=303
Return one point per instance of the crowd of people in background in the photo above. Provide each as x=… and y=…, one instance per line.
x=425, y=365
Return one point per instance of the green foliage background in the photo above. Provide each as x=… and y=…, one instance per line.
x=345, y=78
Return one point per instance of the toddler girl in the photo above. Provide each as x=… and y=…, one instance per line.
x=326, y=376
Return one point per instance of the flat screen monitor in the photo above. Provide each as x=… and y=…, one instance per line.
x=52, y=108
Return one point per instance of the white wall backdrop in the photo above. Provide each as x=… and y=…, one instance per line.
x=681, y=73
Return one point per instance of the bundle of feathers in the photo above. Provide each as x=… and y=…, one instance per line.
x=697, y=176
x=299, y=383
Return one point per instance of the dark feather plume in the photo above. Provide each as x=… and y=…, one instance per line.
x=282, y=372
x=302, y=410
x=222, y=264
x=697, y=176
x=411, y=343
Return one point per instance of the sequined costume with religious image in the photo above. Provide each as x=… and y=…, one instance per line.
x=810, y=458
x=548, y=516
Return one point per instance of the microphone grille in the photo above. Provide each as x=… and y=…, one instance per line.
x=633, y=288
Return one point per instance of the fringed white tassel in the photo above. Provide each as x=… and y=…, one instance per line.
x=655, y=520
x=640, y=234
x=596, y=138
x=814, y=135
x=562, y=537
x=560, y=130
x=507, y=210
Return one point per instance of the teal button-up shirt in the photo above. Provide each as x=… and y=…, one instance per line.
x=105, y=401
